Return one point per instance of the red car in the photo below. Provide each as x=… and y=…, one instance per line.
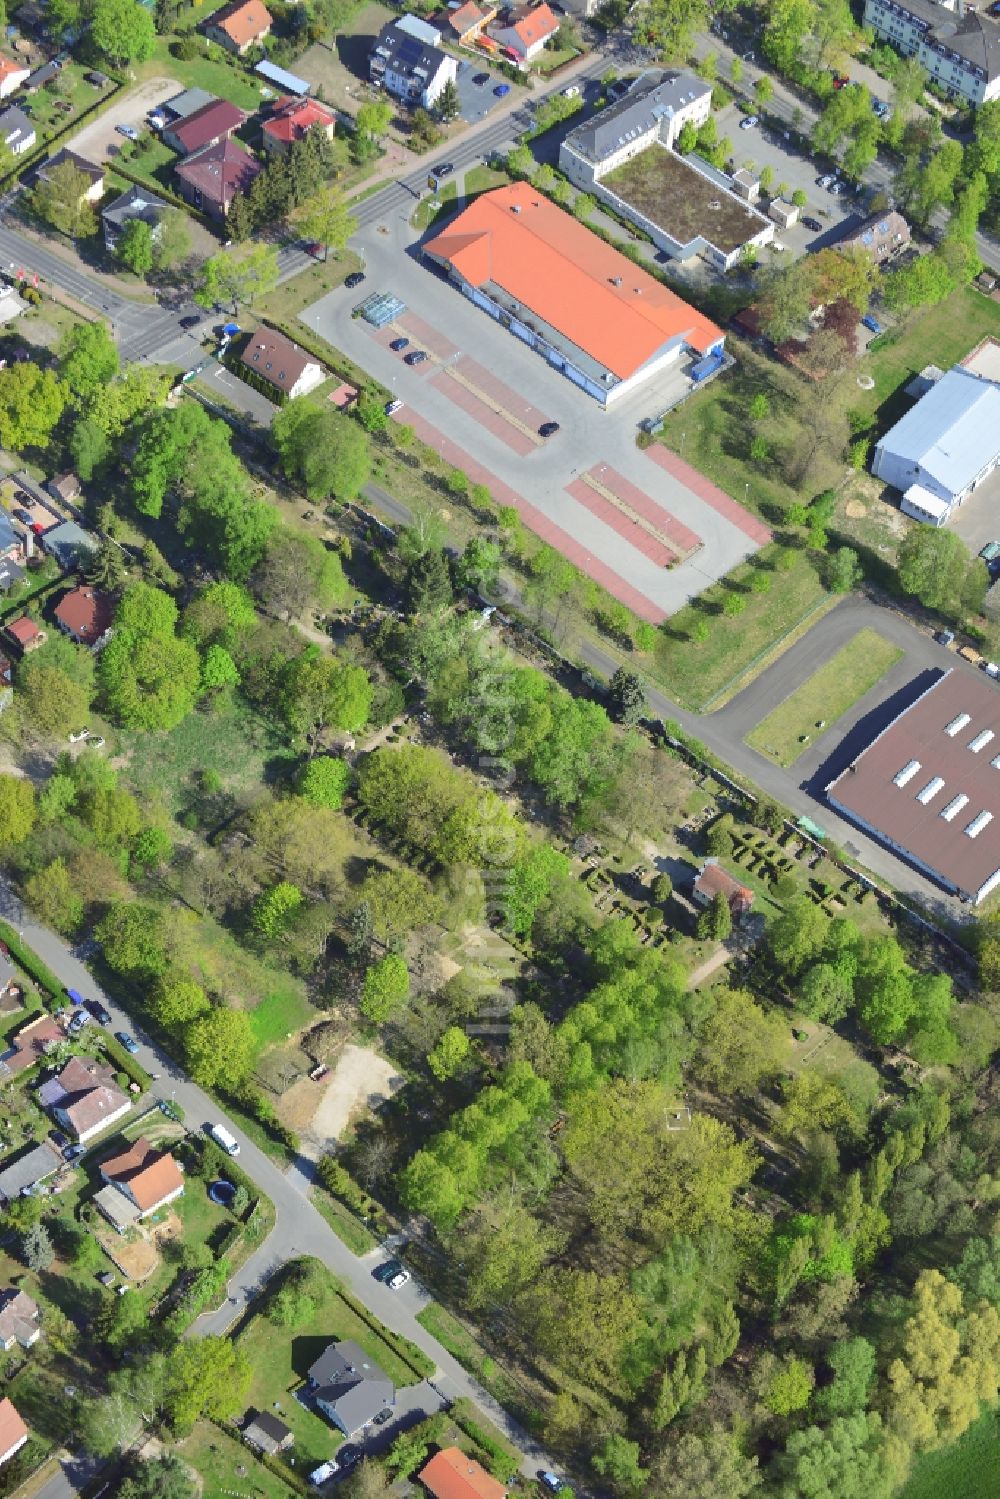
x=840, y=80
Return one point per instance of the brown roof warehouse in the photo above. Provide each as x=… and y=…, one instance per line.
x=929, y=785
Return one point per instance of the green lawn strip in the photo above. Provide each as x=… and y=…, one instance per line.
x=950, y=330
x=227, y=1467
x=966, y=1470
x=280, y=1014
x=695, y=672
x=480, y=179
x=230, y=80
x=33, y=966
x=280, y=1358
x=786, y=732
x=431, y=207
x=343, y=1222
x=462, y=1345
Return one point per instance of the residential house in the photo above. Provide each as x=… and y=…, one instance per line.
x=148, y=1178
x=408, y=62
x=211, y=179
x=12, y=75
x=135, y=203
x=96, y=78
x=291, y=118
x=239, y=26
x=6, y=667
x=713, y=880
x=31, y=1044
x=85, y=614
x=94, y=174
x=25, y=634
x=66, y=488
x=41, y=76
x=880, y=236
x=944, y=447
x=25, y=1174
x=958, y=44
x=13, y=546
x=84, y=1098
x=281, y=363
x=452, y=1474
x=525, y=30
x=13, y=1432
x=186, y=103
x=18, y=1319
x=70, y=545
x=16, y=131
x=267, y=1433
x=206, y=127
x=349, y=1387
x=466, y=24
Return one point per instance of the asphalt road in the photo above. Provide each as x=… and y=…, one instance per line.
x=300, y=1229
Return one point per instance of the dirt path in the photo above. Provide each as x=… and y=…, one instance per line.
x=711, y=965
x=361, y=1080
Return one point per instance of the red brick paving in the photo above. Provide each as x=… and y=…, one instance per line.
x=535, y=520
x=427, y=336
x=493, y=421
x=633, y=534
x=709, y=492
x=644, y=505
x=510, y=400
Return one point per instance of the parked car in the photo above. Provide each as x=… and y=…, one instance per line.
x=73, y=1152
x=881, y=109
x=836, y=188
x=840, y=80
x=192, y=320
x=382, y=1417
x=59, y=1140
x=399, y=344
x=990, y=552
x=825, y=180
x=871, y=323
x=77, y=1021
x=354, y=279
x=813, y=224
x=572, y=92
x=96, y=741
x=992, y=669
x=100, y=1014
x=325, y=1471
x=397, y=1281
x=130, y=1044
x=748, y=122
x=502, y=90
x=79, y=736
x=387, y=1270
x=551, y=1481
x=348, y=1455
x=548, y=429
x=443, y=169
x=24, y=516
x=945, y=637
x=417, y=357
x=128, y=131
x=481, y=79
x=391, y=407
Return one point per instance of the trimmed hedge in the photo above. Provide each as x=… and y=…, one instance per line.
x=33, y=966
x=415, y=1358
x=124, y=1062
x=503, y=1460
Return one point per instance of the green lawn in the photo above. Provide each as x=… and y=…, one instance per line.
x=230, y=80
x=282, y=1013
x=784, y=734
x=480, y=179
x=152, y=159
x=431, y=207
x=227, y=1467
x=966, y=1470
x=697, y=673
x=460, y=1343
x=943, y=334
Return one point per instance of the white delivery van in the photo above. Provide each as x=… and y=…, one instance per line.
x=222, y=1137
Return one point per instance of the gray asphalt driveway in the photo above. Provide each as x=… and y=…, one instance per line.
x=477, y=100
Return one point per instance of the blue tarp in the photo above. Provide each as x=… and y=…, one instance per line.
x=287, y=82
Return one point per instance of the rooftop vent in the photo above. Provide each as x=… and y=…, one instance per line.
x=951, y=811
x=957, y=724
x=930, y=790
x=977, y=824
x=907, y=773
x=981, y=741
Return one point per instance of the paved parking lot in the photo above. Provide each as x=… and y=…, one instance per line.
x=978, y=520
x=477, y=99
x=99, y=140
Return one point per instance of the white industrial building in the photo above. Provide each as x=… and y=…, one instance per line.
x=944, y=447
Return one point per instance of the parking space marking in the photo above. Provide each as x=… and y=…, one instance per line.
x=427, y=335
x=636, y=537
x=645, y=505
x=710, y=493
x=494, y=421
x=506, y=398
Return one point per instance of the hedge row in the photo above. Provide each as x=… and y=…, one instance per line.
x=503, y=1460
x=124, y=1062
x=415, y=1358
x=32, y=965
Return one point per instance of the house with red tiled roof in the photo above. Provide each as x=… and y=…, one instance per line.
x=211, y=178
x=587, y=309
x=148, y=1179
x=239, y=26
x=713, y=880
x=24, y=633
x=206, y=127
x=466, y=23
x=290, y=119
x=276, y=359
x=84, y=1098
x=452, y=1474
x=31, y=1043
x=12, y=75
x=525, y=30
x=85, y=615
x=13, y=1432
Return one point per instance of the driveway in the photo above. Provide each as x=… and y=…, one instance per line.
x=232, y=391
x=978, y=520
x=100, y=139
x=476, y=100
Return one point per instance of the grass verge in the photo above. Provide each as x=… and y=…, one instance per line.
x=824, y=697
x=343, y=1222
x=435, y=204
x=460, y=1343
x=968, y=1468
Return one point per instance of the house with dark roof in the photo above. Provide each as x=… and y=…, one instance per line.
x=525, y=30
x=279, y=361
x=581, y=304
x=349, y=1387
x=93, y=174
x=713, y=880
x=880, y=237
x=13, y=1432
x=452, y=1474
x=239, y=26
x=655, y=110
x=409, y=63
x=18, y=1319
x=211, y=178
x=206, y=127
x=139, y=1181
x=24, y=1174
x=134, y=203
x=66, y=488
x=291, y=118
x=16, y=131
x=84, y=1098
x=958, y=44
x=85, y=614
x=266, y=1433
x=70, y=545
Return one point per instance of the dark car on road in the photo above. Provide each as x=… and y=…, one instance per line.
x=348, y=1455
x=130, y=1044
x=481, y=79
x=399, y=344
x=813, y=224
x=387, y=1270
x=443, y=169
x=382, y=1417
x=548, y=429
x=354, y=279
x=417, y=357
x=100, y=1014
x=192, y=320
